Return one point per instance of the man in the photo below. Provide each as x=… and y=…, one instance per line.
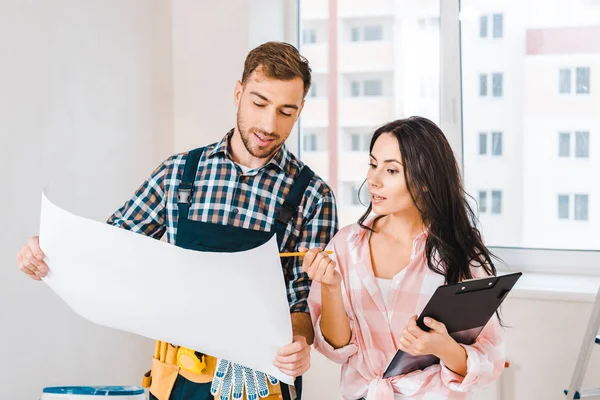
x=231, y=196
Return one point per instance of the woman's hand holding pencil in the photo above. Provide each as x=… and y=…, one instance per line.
x=320, y=267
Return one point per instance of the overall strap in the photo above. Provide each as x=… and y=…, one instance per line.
x=289, y=208
x=186, y=186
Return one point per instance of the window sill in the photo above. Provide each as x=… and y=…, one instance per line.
x=560, y=287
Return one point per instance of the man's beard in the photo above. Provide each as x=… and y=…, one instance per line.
x=250, y=145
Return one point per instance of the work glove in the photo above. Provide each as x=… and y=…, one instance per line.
x=231, y=379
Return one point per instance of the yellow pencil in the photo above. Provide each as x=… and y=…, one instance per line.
x=300, y=254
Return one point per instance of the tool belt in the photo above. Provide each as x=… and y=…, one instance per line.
x=170, y=361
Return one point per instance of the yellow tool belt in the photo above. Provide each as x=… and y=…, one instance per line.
x=170, y=361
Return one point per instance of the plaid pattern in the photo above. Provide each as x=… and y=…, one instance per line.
x=377, y=324
x=225, y=195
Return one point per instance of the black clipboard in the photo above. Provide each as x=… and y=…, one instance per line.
x=465, y=308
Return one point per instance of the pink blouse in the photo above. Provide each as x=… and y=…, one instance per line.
x=377, y=324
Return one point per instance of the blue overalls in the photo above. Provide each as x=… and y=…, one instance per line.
x=205, y=236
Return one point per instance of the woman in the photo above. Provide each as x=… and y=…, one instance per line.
x=365, y=297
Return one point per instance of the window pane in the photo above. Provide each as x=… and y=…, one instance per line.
x=354, y=199
x=310, y=142
x=583, y=80
x=581, y=207
x=355, y=138
x=564, y=79
x=547, y=72
x=373, y=33
x=373, y=87
x=309, y=36
x=483, y=26
x=498, y=28
x=497, y=143
x=355, y=89
x=483, y=85
x=496, y=202
x=563, y=206
x=312, y=92
x=483, y=143
x=564, y=144
x=582, y=144
x=482, y=203
x=367, y=142
x=355, y=35
x=497, y=84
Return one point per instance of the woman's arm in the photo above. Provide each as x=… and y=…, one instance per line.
x=335, y=324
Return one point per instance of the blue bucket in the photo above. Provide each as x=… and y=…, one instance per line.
x=93, y=392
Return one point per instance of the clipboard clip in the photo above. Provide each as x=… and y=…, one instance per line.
x=475, y=285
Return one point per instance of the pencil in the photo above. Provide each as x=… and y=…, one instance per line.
x=300, y=254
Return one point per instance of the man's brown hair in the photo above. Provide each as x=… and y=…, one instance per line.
x=278, y=60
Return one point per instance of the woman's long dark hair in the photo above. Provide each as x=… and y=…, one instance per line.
x=434, y=182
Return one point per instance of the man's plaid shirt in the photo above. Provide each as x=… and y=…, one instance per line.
x=225, y=195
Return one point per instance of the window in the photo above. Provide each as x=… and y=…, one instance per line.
x=498, y=25
x=354, y=195
x=483, y=81
x=581, y=207
x=367, y=87
x=496, y=143
x=483, y=26
x=583, y=80
x=312, y=92
x=495, y=140
x=373, y=87
x=310, y=142
x=496, y=202
x=582, y=144
x=355, y=89
x=355, y=34
x=482, y=203
x=563, y=206
x=482, y=196
x=564, y=81
x=373, y=33
x=483, y=143
x=369, y=33
x=580, y=211
x=358, y=142
x=564, y=144
x=309, y=36
x=497, y=84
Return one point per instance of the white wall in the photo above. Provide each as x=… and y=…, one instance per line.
x=86, y=103
x=210, y=43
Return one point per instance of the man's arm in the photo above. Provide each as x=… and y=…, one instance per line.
x=320, y=225
x=319, y=229
x=302, y=326
x=144, y=212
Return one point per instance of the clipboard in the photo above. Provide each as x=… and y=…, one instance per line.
x=465, y=308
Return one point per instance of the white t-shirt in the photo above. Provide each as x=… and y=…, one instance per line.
x=384, y=286
x=244, y=168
